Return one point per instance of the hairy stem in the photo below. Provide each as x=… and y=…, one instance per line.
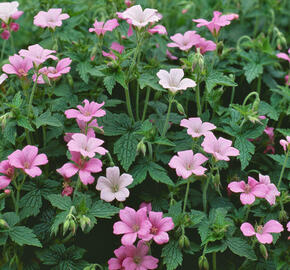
x=171, y=99
x=146, y=103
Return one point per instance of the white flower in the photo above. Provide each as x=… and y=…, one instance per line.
x=7, y=9
x=3, y=77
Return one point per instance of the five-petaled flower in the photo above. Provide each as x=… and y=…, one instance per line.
x=184, y=42
x=18, y=65
x=196, y=128
x=100, y=28
x=51, y=19
x=8, y=172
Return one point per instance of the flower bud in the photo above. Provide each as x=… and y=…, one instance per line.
x=72, y=226
x=141, y=147
x=66, y=225
x=70, y=80
x=264, y=251
x=3, y=223
x=7, y=191
x=181, y=241
x=283, y=215
x=14, y=26
x=203, y=263
x=180, y=108
x=5, y=34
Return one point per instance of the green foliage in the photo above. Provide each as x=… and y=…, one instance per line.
x=172, y=255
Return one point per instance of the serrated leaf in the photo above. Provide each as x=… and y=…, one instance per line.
x=196, y=217
x=46, y=119
x=24, y=236
x=252, y=70
x=267, y=109
x=217, y=78
x=280, y=159
x=139, y=173
x=24, y=122
x=284, y=131
x=10, y=132
x=172, y=255
x=59, y=219
x=164, y=141
x=159, y=174
x=109, y=83
x=149, y=80
x=246, y=148
x=30, y=204
x=203, y=230
x=11, y=218
x=17, y=100
x=84, y=68
x=241, y=248
x=175, y=211
x=59, y=201
x=101, y=209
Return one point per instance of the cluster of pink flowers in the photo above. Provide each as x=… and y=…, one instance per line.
x=9, y=12
x=83, y=146
x=262, y=189
x=27, y=160
x=146, y=225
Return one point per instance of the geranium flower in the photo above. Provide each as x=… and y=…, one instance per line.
x=272, y=189
x=18, y=66
x=285, y=143
x=7, y=9
x=173, y=81
x=262, y=232
x=196, y=128
x=160, y=227
x=140, y=18
x=81, y=166
x=100, y=28
x=3, y=77
x=132, y=224
x=8, y=172
x=170, y=55
x=28, y=160
x=249, y=191
x=86, y=112
x=186, y=163
x=284, y=56
x=137, y=258
x=205, y=45
x=37, y=54
x=220, y=148
x=86, y=146
x=159, y=29
x=116, y=263
x=50, y=19
x=113, y=186
x=184, y=42
x=217, y=21
x=115, y=47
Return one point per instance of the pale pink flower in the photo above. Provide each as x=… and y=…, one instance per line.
x=50, y=19
x=3, y=77
x=170, y=55
x=28, y=160
x=173, y=81
x=137, y=258
x=196, y=128
x=140, y=18
x=82, y=166
x=132, y=224
x=217, y=21
x=86, y=146
x=17, y=15
x=159, y=29
x=160, y=227
x=147, y=205
x=7, y=9
x=272, y=192
x=285, y=143
x=8, y=172
x=18, y=66
x=184, y=42
x=186, y=163
x=205, y=45
x=116, y=263
x=115, y=47
x=100, y=28
x=220, y=148
x=262, y=232
x=249, y=191
x=37, y=54
x=113, y=186
x=284, y=56
x=86, y=112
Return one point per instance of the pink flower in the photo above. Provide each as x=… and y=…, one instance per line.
x=205, y=45
x=113, y=186
x=272, y=192
x=92, y=124
x=217, y=21
x=173, y=81
x=132, y=224
x=186, y=41
x=67, y=191
x=18, y=66
x=128, y=3
x=14, y=26
x=87, y=112
x=86, y=146
x=285, y=143
x=137, y=258
x=37, y=54
x=170, y=55
x=3, y=77
x=50, y=19
x=140, y=18
x=83, y=167
x=147, y=205
x=262, y=232
x=100, y=28
x=116, y=263
x=17, y=15
x=249, y=191
x=160, y=227
x=159, y=29
x=7, y=9
x=284, y=56
x=8, y=171
x=184, y=11
x=28, y=160
x=5, y=35
x=220, y=148
x=186, y=163
x=115, y=47
x=196, y=128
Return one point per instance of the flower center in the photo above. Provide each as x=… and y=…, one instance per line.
x=9, y=171
x=87, y=113
x=260, y=229
x=136, y=228
x=137, y=259
x=153, y=230
x=22, y=72
x=247, y=188
x=115, y=188
x=26, y=165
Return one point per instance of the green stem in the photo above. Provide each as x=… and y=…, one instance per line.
x=128, y=102
x=150, y=150
x=18, y=190
x=29, y=109
x=204, y=200
x=259, y=84
x=283, y=169
x=146, y=103
x=249, y=95
x=248, y=211
x=214, y=260
x=112, y=164
x=186, y=196
x=12, y=43
x=3, y=49
x=171, y=99
x=197, y=95
x=137, y=102
x=233, y=94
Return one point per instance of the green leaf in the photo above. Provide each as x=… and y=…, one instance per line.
x=46, y=119
x=246, y=148
x=159, y=174
x=30, y=204
x=59, y=201
x=115, y=124
x=284, y=131
x=203, y=230
x=11, y=218
x=139, y=173
x=126, y=149
x=196, y=217
x=217, y=78
x=84, y=68
x=252, y=70
x=109, y=83
x=10, y=131
x=280, y=159
x=24, y=236
x=101, y=209
x=59, y=219
x=164, y=141
x=24, y=122
x=267, y=109
x=241, y=248
x=149, y=80
x=172, y=255
x=17, y=100
x=175, y=211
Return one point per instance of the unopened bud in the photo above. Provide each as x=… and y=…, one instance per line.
x=203, y=263
x=181, y=241
x=264, y=251
x=84, y=221
x=72, y=226
x=283, y=215
x=3, y=223
x=66, y=226
x=70, y=80
x=141, y=147
x=180, y=108
x=7, y=191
